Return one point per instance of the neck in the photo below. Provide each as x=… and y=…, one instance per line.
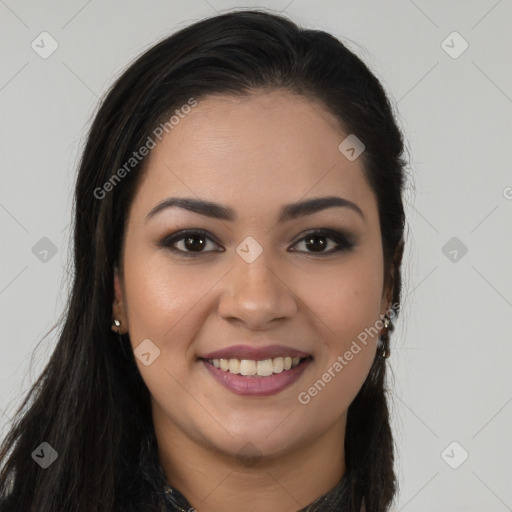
x=213, y=480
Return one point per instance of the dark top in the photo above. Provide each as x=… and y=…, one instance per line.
x=336, y=500
x=171, y=500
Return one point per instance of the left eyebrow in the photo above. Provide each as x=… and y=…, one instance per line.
x=288, y=212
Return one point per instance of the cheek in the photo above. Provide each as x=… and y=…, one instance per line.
x=346, y=298
x=346, y=302
x=163, y=304
x=160, y=295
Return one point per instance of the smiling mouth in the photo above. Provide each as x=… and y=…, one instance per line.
x=257, y=368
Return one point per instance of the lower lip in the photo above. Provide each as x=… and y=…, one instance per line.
x=257, y=386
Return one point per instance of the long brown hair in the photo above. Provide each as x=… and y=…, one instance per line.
x=90, y=403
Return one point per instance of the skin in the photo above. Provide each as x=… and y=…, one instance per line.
x=253, y=154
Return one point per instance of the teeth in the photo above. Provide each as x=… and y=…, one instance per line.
x=247, y=367
x=234, y=366
x=277, y=364
x=262, y=368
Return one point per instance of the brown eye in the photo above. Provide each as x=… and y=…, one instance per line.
x=189, y=242
x=317, y=241
x=194, y=243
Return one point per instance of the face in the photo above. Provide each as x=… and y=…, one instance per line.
x=257, y=284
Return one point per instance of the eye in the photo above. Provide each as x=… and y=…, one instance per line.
x=192, y=242
x=317, y=240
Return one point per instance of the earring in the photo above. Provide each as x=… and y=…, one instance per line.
x=115, y=325
x=384, y=339
x=385, y=352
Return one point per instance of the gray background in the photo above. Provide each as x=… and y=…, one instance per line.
x=452, y=349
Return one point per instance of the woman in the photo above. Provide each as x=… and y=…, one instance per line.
x=237, y=246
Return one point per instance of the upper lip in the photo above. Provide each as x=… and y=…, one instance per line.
x=254, y=353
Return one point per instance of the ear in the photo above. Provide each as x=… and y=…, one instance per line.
x=118, y=308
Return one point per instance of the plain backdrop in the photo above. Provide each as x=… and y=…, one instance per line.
x=446, y=67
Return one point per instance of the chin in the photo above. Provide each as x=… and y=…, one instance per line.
x=254, y=445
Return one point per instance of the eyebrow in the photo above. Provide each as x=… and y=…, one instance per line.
x=287, y=213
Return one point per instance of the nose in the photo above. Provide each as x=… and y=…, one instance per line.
x=255, y=295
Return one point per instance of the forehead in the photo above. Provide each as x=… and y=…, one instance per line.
x=251, y=151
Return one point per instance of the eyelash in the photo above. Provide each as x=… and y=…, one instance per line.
x=343, y=241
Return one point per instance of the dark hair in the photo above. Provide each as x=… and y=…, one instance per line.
x=90, y=403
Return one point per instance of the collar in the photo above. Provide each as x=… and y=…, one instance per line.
x=335, y=500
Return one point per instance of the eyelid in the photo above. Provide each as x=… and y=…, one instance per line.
x=345, y=236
